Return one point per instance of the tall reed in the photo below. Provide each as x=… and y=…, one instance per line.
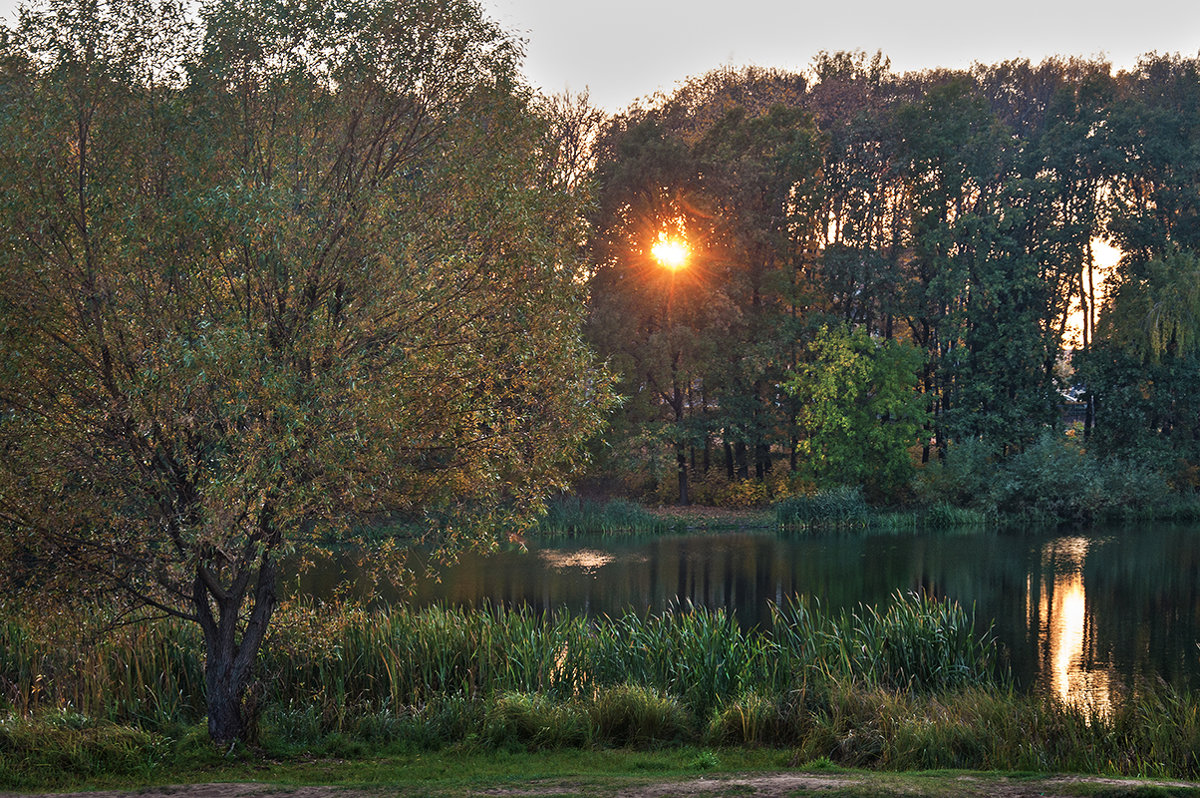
x=917, y=643
x=912, y=685
x=573, y=515
x=836, y=507
x=149, y=674
x=344, y=659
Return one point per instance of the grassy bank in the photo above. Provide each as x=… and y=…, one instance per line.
x=911, y=686
x=1052, y=480
x=459, y=771
x=574, y=515
x=839, y=508
x=848, y=509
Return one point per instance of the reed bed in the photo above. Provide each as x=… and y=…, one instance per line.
x=847, y=508
x=574, y=515
x=148, y=674
x=914, y=684
x=835, y=508
x=345, y=660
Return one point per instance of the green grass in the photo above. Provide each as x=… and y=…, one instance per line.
x=460, y=771
x=836, y=507
x=847, y=508
x=911, y=685
x=454, y=769
x=572, y=515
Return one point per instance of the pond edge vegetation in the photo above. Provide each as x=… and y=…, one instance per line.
x=915, y=685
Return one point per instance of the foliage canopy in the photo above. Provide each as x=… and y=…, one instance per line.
x=259, y=276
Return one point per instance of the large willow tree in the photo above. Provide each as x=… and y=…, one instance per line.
x=262, y=272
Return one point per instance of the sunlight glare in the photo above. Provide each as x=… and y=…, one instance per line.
x=1075, y=679
x=670, y=252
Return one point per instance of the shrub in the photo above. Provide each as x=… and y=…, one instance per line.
x=834, y=507
x=963, y=478
x=630, y=714
x=743, y=493
x=753, y=718
x=1052, y=480
x=536, y=722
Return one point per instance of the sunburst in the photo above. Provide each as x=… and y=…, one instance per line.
x=671, y=252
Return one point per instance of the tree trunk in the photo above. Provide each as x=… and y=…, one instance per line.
x=763, y=465
x=681, y=461
x=224, y=699
x=231, y=652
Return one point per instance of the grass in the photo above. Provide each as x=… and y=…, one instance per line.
x=572, y=515
x=838, y=508
x=451, y=770
x=912, y=685
x=847, y=508
x=460, y=771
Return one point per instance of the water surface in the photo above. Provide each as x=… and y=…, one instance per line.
x=1082, y=615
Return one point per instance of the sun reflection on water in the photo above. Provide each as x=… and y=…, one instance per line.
x=1065, y=634
x=587, y=560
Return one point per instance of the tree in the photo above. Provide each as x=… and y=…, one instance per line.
x=652, y=321
x=986, y=292
x=702, y=350
x=259, y=279
x=861, y=412
x=763, y=173
x=1141, y=375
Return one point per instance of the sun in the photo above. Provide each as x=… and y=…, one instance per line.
x=671, y=252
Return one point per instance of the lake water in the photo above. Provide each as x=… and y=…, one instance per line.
x=1082, y=615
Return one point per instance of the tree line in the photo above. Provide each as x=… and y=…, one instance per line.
x=888, y=262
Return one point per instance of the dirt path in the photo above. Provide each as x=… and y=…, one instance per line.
x=765, y=785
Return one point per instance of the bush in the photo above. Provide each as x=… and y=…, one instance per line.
x=1053, y=480
x=743, y=493
x=636, y=715
x=963, y=478
x=536, y=722
x=834, y=507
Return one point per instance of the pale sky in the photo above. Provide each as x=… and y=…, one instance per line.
x=625, y=49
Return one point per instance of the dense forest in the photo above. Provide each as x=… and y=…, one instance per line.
x=888, y=270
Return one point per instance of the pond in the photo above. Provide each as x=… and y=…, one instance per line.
x=1081, y=615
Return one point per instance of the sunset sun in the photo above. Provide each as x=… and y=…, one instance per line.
x=670, y=252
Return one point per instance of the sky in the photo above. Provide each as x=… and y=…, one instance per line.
x=621, y=50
